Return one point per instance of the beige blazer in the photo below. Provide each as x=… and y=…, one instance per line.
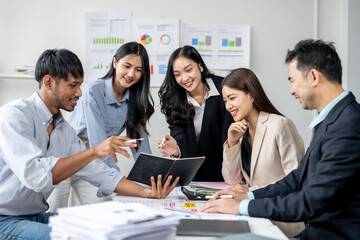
x=277, y=150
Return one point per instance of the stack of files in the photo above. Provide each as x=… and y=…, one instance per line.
x=113, y=220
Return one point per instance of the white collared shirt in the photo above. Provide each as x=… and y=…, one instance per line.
x=200, y=109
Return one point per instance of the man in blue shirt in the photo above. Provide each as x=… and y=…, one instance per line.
x=39, y=149
x=324, y=191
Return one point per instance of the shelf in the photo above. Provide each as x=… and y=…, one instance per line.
x=16, y=76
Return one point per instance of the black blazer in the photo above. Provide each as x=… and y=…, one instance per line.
x=216, y=121
x=325, y=190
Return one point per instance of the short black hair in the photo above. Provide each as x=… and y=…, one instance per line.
x=319, y=55
x=58, y=63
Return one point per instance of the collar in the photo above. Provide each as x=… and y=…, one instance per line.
x=109, y=93
x=44, y=113
x=319, y=117
x=212, y=92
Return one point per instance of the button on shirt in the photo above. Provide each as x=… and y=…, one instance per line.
x=98, y=115
x=26, y=160
x=200, y=109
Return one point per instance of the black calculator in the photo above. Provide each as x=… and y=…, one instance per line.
x=196, y=194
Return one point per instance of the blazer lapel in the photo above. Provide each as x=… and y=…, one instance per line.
x=208, y=114
x=315, y=141
x=258, y=140
x=322, y=127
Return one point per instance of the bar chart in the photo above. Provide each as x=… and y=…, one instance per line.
x=108, y=40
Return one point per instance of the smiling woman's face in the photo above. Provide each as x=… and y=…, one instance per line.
x=187, y=73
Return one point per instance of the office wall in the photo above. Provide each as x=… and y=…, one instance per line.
x=353, y=49
x=29, y=27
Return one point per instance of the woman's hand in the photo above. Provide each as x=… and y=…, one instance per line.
x=236, y=131
x=168, y=146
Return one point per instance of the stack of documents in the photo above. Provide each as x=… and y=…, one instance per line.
x=113, y=220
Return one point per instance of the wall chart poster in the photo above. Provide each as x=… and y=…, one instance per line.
x=105, y=33
x=222, y=47
x=160, y=37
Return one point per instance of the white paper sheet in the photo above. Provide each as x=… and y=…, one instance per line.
x=160, y=37
x=105, y=33
x=222, y=47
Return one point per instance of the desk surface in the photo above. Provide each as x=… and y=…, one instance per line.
x=259, y=226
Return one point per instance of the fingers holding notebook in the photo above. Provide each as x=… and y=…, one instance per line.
x=158, y=190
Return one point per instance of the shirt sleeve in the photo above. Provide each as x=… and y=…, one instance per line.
x=96, y=172
x=94, y=120
x=102, y=176
x=95, y=124
x=243, y=207
x=244, y=204
x=22, y=152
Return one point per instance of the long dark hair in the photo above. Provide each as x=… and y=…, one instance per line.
x=141, y=104
x=245, y=80
x=173, y=99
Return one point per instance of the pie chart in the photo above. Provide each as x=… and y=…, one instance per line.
x=146, y=39
x=165, y=39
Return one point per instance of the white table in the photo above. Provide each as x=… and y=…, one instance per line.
x=259, y=226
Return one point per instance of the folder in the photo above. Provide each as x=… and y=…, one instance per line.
x=148, y=165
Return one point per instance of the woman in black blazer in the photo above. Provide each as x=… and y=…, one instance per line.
x=191, y=100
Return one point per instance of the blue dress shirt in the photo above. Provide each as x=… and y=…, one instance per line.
x=28, y=154
x=322, y=115
x=98, y=115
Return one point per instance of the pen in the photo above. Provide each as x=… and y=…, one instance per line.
x=221, y=196
x=178, y=210
x=135, y=140
x=162, y=142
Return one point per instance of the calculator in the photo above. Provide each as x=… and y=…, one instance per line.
x=197, y=194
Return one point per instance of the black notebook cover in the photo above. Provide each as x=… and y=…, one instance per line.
x=148, y=165
x=216, y=228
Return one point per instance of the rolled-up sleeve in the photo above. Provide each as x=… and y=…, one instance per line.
x=96, y=172
x=102, y=176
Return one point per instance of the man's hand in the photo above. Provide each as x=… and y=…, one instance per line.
x=239, y=188
x=157, y=190
x=112, y=145
x=227, y=206
x=236, y=195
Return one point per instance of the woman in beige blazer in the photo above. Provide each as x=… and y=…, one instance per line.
x=276, y=150
x=263, y=146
